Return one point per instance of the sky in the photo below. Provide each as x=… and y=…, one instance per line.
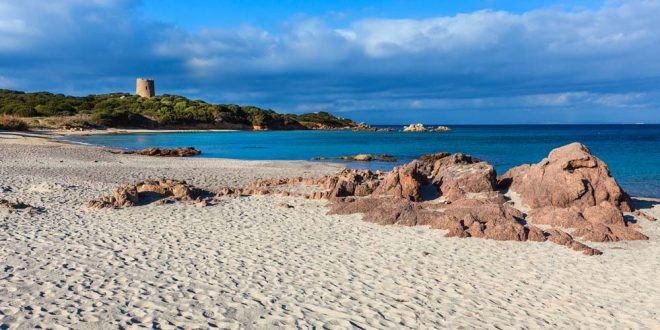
x=383, y=62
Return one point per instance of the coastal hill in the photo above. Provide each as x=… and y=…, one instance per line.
x=121, y=110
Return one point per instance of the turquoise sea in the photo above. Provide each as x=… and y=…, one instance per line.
x=631, y=151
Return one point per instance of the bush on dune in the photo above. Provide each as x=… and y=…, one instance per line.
x=12, y=124
x=120, y=118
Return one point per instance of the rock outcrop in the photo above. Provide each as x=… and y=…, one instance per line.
x=463, y=195
x=151, y=191
x=163, y=152
x=570, y=190
x=422, y=128
x=402, y=182
x=569, y=176
x=415, y=128
x=460, y=175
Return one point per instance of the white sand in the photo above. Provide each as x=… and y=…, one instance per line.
x=247, y=264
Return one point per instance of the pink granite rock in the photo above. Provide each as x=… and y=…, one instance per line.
x=459, y=175
x=569, y=176
x=148, y=191
x=569, y=189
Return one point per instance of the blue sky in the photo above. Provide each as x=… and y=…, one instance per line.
x=196, y=14
x=453, y=62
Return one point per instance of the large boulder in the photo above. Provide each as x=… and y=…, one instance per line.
x=402, y=182
x=569, y=176
x=352, y=183
x=460, y=175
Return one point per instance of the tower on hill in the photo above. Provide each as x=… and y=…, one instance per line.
x=145, y=88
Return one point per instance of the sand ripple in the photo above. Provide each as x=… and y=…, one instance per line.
x=247, y=264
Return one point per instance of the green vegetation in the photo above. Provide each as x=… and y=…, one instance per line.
x=125, y=110
x=323, y=118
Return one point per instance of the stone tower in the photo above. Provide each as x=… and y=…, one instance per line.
x=145, y=88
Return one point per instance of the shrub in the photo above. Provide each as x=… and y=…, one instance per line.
x=324, y=118
x=120, y=118
x=12, y=124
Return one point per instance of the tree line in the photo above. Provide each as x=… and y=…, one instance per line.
x=126, y=110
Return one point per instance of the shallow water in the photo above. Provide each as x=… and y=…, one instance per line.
x=631, y=151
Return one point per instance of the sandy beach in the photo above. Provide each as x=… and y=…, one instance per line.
x=245, y=263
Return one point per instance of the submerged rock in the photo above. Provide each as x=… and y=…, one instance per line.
x=363, y=158
x=441, y=129
x=164, y=152
x=431, y=158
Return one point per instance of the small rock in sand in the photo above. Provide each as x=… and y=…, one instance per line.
x=284, y=206
x=644, y=215
x=14, y=205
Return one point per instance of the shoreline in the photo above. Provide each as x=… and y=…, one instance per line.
x=54, y=137
x=111, y=131
x=39, y=139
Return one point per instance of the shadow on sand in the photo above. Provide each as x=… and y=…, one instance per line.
x=646, y=203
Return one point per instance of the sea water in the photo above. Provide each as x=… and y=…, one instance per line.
x=631, y=151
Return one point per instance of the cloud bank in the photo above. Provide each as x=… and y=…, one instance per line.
x=546, y=65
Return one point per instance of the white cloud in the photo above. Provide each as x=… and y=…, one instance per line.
x=547, y=58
